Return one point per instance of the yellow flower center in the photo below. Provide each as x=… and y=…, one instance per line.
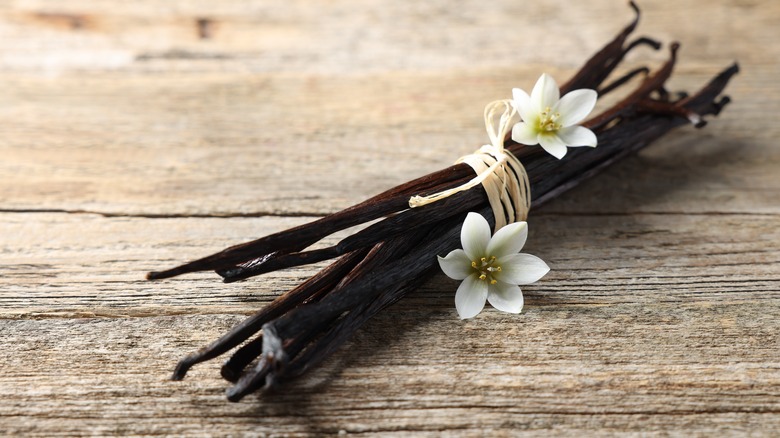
x=548, y=122
x=486, y=267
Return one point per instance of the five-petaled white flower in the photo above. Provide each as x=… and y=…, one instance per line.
x=491, y=269
x=551, y=121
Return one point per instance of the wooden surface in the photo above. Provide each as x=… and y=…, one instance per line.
x=136, y=135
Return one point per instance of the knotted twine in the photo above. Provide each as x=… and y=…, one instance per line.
x=501, y=174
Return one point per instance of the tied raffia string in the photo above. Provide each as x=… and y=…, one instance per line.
x=500, y=173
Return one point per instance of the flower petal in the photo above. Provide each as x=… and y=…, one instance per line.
x=521, y=269
x=553, y=145
x=524, y=133
x=575, y=106
x=508, y=240
x=545, y=93
x=475, y=236
x=506, y=297
x=470, y=297
x=456, y=265
x=522, y=101
x=577, y=136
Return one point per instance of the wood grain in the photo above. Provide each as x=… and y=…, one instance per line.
x=139, y=135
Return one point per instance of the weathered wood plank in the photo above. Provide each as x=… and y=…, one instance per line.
x=660, y=368
x=228, y=144
x=347, y=37
x=61, y=265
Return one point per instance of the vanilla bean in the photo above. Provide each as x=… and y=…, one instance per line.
x=634, y=135
x=413, y=217
x=300, y=237
x=397, y=224
x=317, y=285
x=365, y=305
x=704, y=101
x=668, y=108
x=591, y=75
x=402, y=262
x=603, y=63
x=383, y=262
x=233, y=368
x=325, y=346
x=650, y=84
x=622, y=80
x=318, y=316
x=340, y=333
x=370, y=260
x=605, y=148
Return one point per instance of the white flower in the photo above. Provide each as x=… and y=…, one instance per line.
x=491, y=268
x=551, y=121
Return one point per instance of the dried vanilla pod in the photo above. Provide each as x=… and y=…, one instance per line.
x=378, y=265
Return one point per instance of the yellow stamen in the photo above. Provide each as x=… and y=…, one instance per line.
x=486, y=266
x=549, y=122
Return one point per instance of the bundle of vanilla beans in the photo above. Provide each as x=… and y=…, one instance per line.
x=378, y=265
